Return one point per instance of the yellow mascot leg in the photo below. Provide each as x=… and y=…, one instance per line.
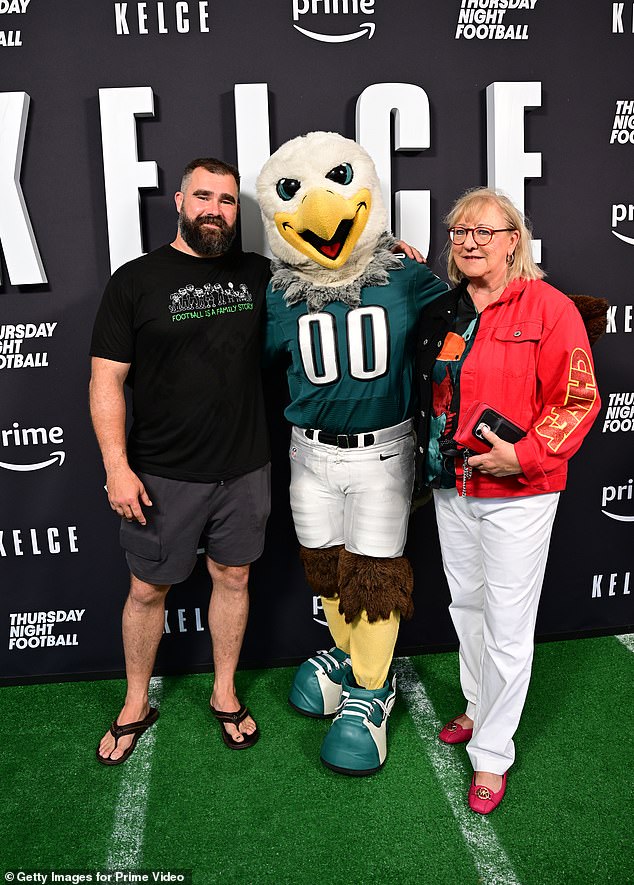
x=322, y=567
x=373, y=594
x=372, y=649
x=316, y=688
x=339, y=630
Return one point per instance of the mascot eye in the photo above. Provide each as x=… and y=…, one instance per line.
x=287, y=188
x=341, y=174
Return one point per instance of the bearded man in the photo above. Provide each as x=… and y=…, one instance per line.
x=181, y=326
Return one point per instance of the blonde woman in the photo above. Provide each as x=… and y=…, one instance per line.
x=508, y=393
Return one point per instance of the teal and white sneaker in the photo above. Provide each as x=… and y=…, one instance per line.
x=316, y=688
x=357, y=741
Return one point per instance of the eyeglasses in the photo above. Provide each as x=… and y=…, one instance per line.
x=481, y=235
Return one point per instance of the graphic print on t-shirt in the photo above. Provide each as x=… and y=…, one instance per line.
x=193, y=302
x=190, y=329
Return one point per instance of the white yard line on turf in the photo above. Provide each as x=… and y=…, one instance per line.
x=126, y=841
x=626, y=639
x=488, y=855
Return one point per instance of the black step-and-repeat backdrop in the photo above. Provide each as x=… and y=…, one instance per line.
x=103, y=103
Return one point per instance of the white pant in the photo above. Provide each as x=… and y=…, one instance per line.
x=494, y=553
x=358, y=497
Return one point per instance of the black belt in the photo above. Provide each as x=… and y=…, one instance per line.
x=342, y=440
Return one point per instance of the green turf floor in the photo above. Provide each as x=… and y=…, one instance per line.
x=274, y=814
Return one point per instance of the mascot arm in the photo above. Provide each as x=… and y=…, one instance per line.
x=594, y=313
x=272, y=344
x=428, y=286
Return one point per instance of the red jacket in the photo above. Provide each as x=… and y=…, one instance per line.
x=531, y=361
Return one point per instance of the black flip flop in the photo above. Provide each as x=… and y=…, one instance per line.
x=235, y=719
x=133, y=728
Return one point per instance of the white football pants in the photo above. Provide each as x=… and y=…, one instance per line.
x=358, y=497
x=494, y=553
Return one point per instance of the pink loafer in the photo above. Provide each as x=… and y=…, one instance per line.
x=453, y=733
x=483, y=800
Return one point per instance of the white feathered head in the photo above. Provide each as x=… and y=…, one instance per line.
x=321, y=203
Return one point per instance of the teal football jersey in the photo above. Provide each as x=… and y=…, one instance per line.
x=351, y=370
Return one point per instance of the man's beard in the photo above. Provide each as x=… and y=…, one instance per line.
x=206, y=241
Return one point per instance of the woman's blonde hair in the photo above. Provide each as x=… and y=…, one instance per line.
x=468, y=206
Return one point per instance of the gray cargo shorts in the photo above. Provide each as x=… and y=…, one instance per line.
x=228, y=519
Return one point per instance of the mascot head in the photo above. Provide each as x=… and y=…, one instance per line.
x=322, y=208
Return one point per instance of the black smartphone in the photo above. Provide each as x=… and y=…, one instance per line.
x=500, y=425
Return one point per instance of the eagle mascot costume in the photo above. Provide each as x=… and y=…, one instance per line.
x=343, y=309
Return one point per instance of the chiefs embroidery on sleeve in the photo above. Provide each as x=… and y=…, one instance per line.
x=581, y=394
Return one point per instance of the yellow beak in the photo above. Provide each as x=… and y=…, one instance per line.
x=326, y=226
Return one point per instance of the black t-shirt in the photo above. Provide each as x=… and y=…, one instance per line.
x=191, y=329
